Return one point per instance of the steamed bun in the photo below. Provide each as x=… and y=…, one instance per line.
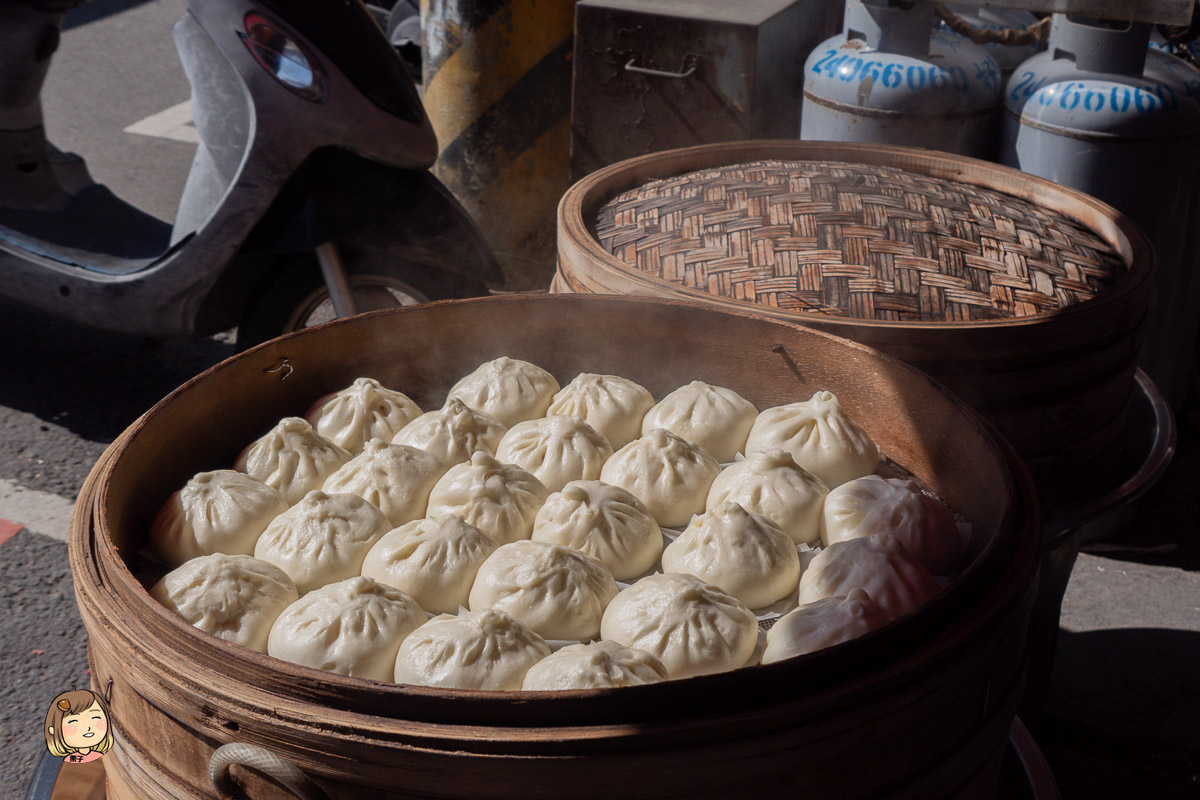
x=215, y=512
x=392, y=477
x=871, y=505
x=713, y=417
x=362, y=411
x=692, y=627
x=478, y=650
x=434, y=560
x=353, y=627
x=612, y=405
x=499, y=499
x=558, y=592
x=291, y=457
x=234, y=597
x=772, y=484
x=670, y=475
x=556, y=450
x=606, y=522
x=512, y=391
x=322, y=539
x=878, y=565
x=452, y=433
x=820, y=436
x=821, y=624
x=599, y=665
x=738, y=552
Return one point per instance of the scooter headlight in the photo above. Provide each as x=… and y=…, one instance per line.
x=283, y=58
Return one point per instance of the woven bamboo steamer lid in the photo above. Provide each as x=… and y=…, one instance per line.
x=1024, y=297
x=921, y=708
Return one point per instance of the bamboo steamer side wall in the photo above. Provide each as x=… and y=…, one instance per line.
x=1057, y=385
x=920, y=709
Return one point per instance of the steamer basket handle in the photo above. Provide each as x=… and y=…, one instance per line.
x=256, y=758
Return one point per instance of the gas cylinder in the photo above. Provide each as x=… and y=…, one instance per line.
x=889, y=77
x=1009, y=57
x=1103, y=114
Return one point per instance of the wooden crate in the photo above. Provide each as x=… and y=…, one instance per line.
x=740, y=68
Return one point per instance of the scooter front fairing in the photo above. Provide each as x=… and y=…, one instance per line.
x=265, y=99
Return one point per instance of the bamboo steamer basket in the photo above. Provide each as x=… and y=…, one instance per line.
x=919, y=709
x=974, y=273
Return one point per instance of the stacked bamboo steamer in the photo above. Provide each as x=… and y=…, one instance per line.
x=1023, y=297
x=920, y=708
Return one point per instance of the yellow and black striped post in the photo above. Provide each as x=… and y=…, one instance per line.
x=498, y=92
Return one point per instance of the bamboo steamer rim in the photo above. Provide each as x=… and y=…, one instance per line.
x=439, y=717
x=578, y=243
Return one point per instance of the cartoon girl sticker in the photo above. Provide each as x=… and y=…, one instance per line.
x=77, y=727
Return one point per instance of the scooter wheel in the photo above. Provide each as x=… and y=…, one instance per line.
x=294, y=295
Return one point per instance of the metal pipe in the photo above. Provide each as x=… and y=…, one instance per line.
x=334, y=272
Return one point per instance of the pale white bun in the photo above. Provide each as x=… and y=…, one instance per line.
x=667, y=473
x=477, y=650
x=772, y=484
x=822, y=623
x=394, y=478
x=499, y=499
x=740, y=553
x=353, y=627
x=291, y=457
x=453, y=433
x=215, y=512
x=879, y=565
x=692, y=627
x=510, y=390
x=434, y=560
x=322, y=539
x=820, y=436
x=713, y=417
x=871, y=505
x=558, y=592
x=606, y=522
x=612, y=405
x=556, y=450
x=234, y=597
x=599, y=665
x=362, y=411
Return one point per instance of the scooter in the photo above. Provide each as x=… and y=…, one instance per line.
x=309, y=195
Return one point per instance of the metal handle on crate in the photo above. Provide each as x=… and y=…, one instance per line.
x=256, y=758
x=659, y=73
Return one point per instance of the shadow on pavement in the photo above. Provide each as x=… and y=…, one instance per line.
x=99, y=9
x=1162, y=530
x=1122, y=714
x=91, y=382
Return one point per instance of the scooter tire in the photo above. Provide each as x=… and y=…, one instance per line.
x=295, y=286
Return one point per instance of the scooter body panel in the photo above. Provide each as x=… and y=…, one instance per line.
x=256, y=134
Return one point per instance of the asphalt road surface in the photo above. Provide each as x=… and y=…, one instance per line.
x=1124, y=701
x=66, y=391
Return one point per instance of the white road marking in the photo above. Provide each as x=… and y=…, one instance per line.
x=40, y=512
x=174, y=123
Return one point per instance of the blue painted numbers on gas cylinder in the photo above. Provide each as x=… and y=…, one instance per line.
x=987, y=73
x=1095, y=97
x=1028, y=84
x=827, y=63
x=848, y=68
